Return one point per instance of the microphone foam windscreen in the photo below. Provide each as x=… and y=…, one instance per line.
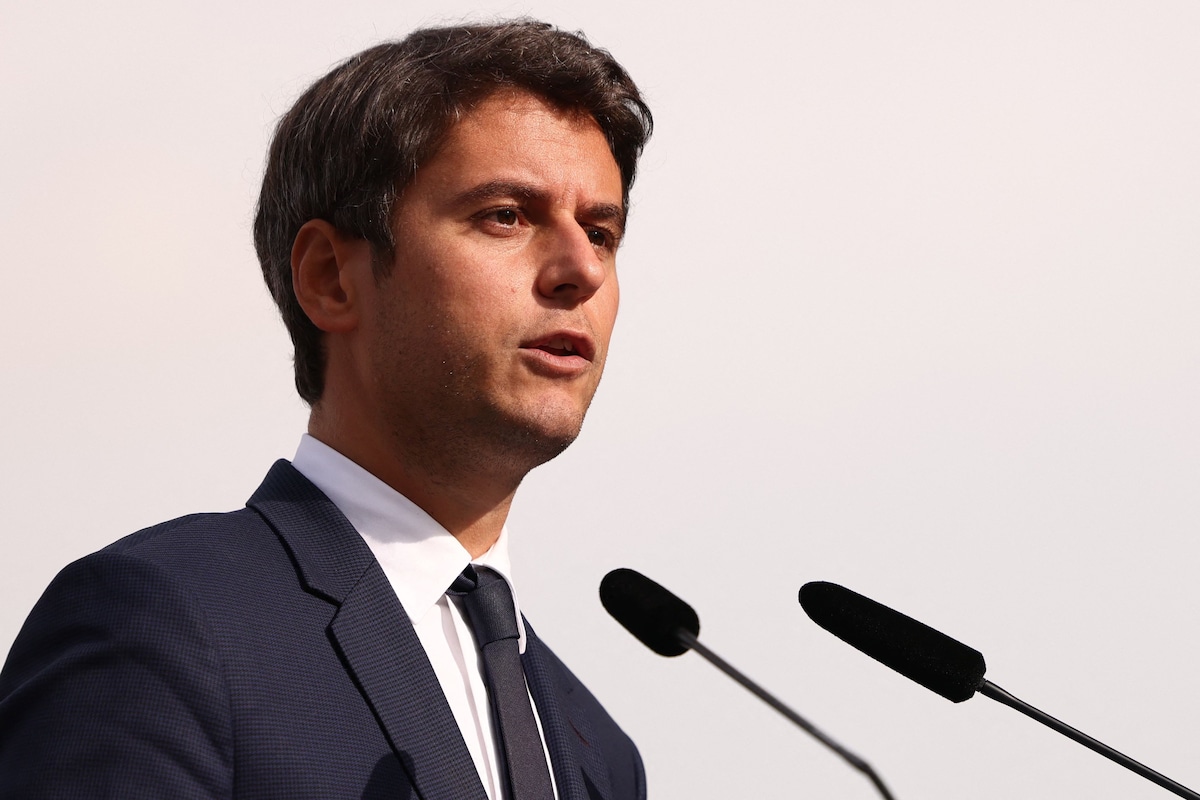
x=648, y=611
x=913, y=649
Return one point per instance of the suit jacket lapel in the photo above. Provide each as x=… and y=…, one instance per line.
x=390, y=666
x=373, y=635
x=579, y=771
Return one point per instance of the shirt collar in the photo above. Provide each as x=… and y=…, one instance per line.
x=419, y=557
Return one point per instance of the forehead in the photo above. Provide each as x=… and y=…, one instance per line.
x=513, y=133
x=515, y=103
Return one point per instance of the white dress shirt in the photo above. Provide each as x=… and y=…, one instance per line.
x=421, y=559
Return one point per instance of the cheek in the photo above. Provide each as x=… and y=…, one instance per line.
x=454, y=295
x=478, y=282
x=606, y=305
x=479, y=325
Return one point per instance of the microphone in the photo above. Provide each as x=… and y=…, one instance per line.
x=937, y=662
x=648, y=611
x=670, y=627
x=931, y=658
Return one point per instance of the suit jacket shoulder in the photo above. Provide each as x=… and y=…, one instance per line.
x=255, y=654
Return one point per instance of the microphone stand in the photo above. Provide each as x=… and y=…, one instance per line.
x=687, y=638
x=989, y=689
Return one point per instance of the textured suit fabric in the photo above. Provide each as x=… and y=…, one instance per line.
x=259, y=654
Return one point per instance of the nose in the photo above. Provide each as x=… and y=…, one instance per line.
x=572, y=268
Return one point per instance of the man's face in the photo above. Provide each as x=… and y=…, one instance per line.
x=489, y=335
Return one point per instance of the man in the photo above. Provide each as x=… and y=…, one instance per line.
x=438, y=224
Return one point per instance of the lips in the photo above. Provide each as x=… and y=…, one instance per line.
x=564, y=344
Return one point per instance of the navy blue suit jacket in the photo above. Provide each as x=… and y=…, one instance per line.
x=259, y=654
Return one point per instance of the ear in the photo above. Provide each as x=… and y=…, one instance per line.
x=328, y=271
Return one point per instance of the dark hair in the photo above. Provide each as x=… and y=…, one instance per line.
x=354, y=140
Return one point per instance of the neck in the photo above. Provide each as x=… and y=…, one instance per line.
x=468, y=499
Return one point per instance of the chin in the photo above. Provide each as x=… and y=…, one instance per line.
x=541, y=436
x=553, y=440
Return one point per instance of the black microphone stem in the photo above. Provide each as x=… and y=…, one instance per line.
x=989, y=689
x=692, y=642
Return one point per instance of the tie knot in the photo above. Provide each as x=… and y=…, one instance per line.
x=488, y=603
x=465, y=583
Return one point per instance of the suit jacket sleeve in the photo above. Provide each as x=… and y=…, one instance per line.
x=113, y=690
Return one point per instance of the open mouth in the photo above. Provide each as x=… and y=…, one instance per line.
x=558, y=347
x=563, y=345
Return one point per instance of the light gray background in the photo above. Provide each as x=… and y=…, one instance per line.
x=911, y=303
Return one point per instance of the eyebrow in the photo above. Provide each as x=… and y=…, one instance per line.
x=494, y=189
x=609, y=212
x=596, y=212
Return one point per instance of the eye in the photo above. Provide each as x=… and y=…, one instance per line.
x=506, y=216
x=502, y=219
x=600, y=237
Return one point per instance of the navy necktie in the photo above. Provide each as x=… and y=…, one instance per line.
x=490, y=610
